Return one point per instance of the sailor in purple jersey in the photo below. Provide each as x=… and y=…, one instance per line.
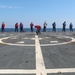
x=21, y=27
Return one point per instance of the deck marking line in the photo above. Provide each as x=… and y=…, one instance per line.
x=21, y=42
x=20, y=71
x=53, y=41
x=53, y=44
x=40, y=66
x=61, y=70
x=17, y=71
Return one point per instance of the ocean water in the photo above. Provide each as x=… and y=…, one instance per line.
x=28, y=30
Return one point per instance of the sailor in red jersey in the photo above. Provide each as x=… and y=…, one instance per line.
x=31, y=26
x=38, y=29
x=3, y=26
x=16, y=27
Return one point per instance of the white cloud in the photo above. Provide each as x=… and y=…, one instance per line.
x=2, y=6
x=10, y=7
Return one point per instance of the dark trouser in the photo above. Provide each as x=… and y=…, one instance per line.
x=71, y=29
x=2, y=29
x=64, y=29
x=31, y=29
x=54, y=29
x=21, y=29
x=38, y=32
x=44, y=29
x=16, y=29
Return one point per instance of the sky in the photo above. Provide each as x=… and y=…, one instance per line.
x=37, y=11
